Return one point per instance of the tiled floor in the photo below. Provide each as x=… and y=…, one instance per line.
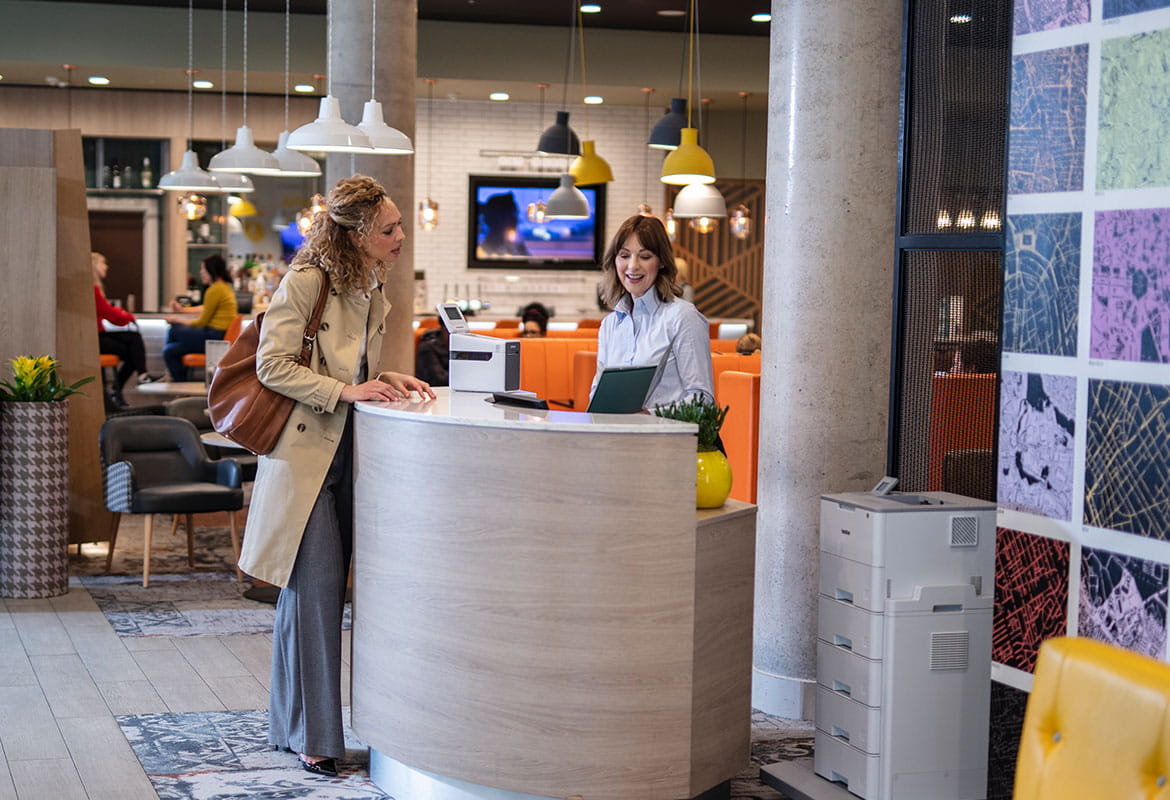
x=65, y=674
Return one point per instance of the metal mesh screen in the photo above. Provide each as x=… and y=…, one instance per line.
x=949, y=334
x=960, y=60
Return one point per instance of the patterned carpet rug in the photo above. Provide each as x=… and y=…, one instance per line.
x=220, y=755
x=204, y=600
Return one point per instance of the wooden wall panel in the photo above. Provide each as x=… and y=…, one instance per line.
x=49, y=307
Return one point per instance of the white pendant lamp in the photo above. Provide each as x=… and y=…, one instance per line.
x=231, y=182
x=189, y=177
x=292, y=163
x=567, y=202
x=329, y=133
x=234, y=182
x=384, y=139
x=244, y=155
x=699, y=200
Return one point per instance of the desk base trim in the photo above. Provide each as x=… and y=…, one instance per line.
x=398, y=780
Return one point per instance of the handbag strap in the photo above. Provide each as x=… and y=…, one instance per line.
x=310, y=335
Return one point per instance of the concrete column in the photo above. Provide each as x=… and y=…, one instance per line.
x=395, y=34
x=828, y=271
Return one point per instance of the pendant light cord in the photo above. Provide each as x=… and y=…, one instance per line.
x=690, y=64
x=373, y=41
x=286, y=16
x=581, y=50
x=223, y=79
x=245, y=118
x=329, y=47
x=430, y=129
x=569, y=60
x=190, y=68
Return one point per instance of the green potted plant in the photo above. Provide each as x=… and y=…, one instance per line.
x=34, y=479
x=713, y=473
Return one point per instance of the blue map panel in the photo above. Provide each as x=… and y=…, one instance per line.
x=1046, y=152
x=1041, y=279
x=1045, y=15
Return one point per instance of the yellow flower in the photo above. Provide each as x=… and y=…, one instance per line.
x=35, y=379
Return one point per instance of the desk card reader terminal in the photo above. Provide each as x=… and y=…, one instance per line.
x=478, y=363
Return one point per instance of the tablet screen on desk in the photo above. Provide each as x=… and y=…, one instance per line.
x=622, y=390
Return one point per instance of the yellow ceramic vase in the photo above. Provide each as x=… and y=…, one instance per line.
x=713, y=479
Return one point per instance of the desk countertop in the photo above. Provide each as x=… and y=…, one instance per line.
x=473, y=408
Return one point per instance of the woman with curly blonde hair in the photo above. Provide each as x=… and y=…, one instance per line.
x=300, y=520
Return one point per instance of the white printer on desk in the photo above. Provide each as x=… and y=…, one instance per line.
x=478, y=363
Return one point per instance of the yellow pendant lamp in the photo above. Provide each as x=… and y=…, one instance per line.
x=588, y=168
x=689, y=163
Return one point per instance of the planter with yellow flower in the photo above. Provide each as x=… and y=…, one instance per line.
x=34, y=479
x=712, y=472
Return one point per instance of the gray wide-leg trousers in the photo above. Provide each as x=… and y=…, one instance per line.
x=304, y=707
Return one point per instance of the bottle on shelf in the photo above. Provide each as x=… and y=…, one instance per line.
x=146, y=175
x=115, y=175
x=127, y=177
x=107, y=177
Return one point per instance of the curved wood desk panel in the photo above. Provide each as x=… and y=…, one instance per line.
x=534, y=610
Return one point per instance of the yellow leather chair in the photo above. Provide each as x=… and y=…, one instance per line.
x=1097, y=725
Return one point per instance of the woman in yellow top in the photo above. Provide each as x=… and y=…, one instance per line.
x=215, y=315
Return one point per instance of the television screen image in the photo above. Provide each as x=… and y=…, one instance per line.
x=500, y=233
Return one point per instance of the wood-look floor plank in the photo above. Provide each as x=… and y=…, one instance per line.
x=238, y=693
x=7, y=790
x=41, y=632
x=43, y=778
x=104, y=759
x=210, y=657
x=254, y=651
x=176, y=682
x=68, y=686
x=5, y=617
x=141, y=644
x=104, y=654
x=78, y=608
x=15, y=669
x=131, y=697
x=29, y=730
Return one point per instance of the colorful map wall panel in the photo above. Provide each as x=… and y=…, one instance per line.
x=1083, y=481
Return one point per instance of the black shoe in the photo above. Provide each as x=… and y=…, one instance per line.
x=326, y=766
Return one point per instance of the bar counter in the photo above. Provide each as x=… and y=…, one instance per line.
x=540, y=612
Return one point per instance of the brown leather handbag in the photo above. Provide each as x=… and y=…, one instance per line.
x=245, y=410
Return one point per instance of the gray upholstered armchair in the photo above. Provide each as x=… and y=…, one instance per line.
x=157, y=465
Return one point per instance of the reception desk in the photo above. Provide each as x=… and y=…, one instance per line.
x=539, y=610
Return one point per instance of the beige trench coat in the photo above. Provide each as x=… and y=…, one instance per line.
x=289, y=478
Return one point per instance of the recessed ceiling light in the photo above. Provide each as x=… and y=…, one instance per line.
x=499, y=96
x=670, y=12
x=303, y=88
x=590, y=8
x=98, y=80
x=203, y=84
x=594, y=100
x=960, y=18
x=761, y=17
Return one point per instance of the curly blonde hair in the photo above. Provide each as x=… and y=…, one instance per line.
x=651, y=235
x=352, y=207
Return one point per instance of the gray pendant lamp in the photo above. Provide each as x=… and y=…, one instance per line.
x=665, y=133
x=244, y=155
x=567, y=202
x=189, y=177
x=292, y=163
x=559, y=138
x=384, y=140
x=329, y=133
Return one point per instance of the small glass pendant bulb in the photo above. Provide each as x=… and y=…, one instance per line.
x=740, y=224
x=428, y=214
x=536, y=212
x=644, y=210
x=671, y=225
x=704, y=224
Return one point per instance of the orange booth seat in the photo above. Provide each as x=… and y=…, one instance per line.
x=722, y=362
x=230, y=335
x=962, y=417
x=546, y=368
x=108, y=360
x=740, y=392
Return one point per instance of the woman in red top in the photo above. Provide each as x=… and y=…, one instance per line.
x=126, y=345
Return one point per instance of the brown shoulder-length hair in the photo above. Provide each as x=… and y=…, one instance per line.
x=651, y=235
x=352, y=207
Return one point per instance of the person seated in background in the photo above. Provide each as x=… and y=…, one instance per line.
x=432, y=359
x=534, y=320
x=747, y=344
x=215, y=316
x=651, y=323
x=126, y=345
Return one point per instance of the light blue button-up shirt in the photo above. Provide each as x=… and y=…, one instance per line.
x=640, y=332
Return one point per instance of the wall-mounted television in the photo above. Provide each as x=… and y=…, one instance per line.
x=500, y=234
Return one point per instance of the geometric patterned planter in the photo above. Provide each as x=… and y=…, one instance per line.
x=34, y=499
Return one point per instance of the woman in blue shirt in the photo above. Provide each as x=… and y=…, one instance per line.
x=650, y=321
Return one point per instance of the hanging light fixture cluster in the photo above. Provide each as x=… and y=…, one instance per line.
x=236, y=182
x=566, y=201
x=740, y=225
x=428, y=210
x=329, y=133
x=292, y=163
x=588, y=168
